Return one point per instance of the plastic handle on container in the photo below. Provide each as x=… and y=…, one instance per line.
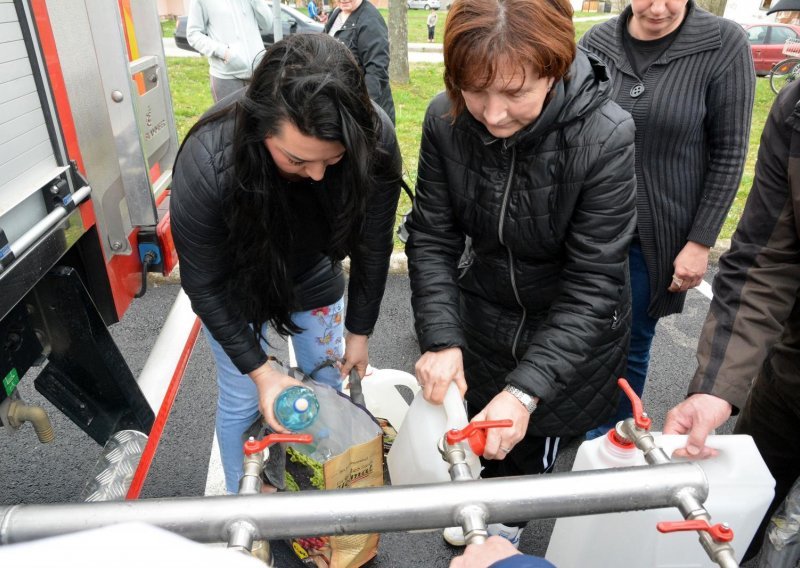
x=719, y=532
x=642, y=420
x=253, y=446
x=475, y=434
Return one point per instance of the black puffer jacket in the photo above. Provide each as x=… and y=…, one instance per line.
x=544, y=301
x=203, y=175
x=366, y=35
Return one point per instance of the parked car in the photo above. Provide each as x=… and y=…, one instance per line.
x=293, y=21
x=767, y=40
x=423, y=4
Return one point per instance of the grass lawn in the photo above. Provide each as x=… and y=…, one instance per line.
x=168, y=28
x=418, y=30
x=417, y=26
x=190, y=95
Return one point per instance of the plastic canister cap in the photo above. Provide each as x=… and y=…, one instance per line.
x=301, y=404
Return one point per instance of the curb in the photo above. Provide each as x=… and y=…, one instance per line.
x=398, y=264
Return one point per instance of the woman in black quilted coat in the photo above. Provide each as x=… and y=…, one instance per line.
x=528, y=158
x=272, y=188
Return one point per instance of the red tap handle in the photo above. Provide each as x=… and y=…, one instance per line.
x=719, y=532
x=642, y=421
x=475, y=433
x=253, y=446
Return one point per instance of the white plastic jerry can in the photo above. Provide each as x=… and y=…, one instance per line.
x=385, y=392
x=414, y=457
x=740, y=490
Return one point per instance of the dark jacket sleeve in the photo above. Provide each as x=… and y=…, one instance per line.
x=729, y=100
x=434, y=247
x=370, y=258
x=331, y=18
x=373, y=53
x=593, y=283
x=758, y=281
x=200, y=236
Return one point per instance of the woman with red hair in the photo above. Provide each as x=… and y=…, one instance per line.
x=528, y=159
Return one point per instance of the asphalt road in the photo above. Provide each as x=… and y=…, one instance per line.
x=34, y=473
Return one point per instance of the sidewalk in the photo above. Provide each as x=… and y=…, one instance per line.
x=417, y=52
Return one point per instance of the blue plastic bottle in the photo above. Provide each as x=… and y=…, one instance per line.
x=296, y=408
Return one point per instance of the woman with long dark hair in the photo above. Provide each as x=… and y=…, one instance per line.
x=272, y=188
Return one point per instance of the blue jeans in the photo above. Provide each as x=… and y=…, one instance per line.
x=643, y=329
x=322, y=338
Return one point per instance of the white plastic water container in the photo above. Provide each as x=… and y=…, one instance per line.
x=740, y=490
x=383, y=393
x=414, y=457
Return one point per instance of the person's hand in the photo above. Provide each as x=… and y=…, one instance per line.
x=435, y=371
x=500, y=441
x=698, y=416
x=356, y=354
x=322, y=17
x=495, y=548
x=270, y=383
x=689, y=267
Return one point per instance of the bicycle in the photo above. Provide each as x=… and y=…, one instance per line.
x=788, y=70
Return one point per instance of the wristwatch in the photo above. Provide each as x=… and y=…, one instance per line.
x=527, y=400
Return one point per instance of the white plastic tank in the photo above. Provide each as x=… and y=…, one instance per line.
x=414, y=457
x=388, y=393
x=740, y=490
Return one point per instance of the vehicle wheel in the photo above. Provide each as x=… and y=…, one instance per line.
x=784, y=73
x=427, y=7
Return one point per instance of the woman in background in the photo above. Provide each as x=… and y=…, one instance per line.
x=686, y=76
x=360, y=26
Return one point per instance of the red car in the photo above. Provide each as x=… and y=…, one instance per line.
x=767, y=40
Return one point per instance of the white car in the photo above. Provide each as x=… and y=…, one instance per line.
x=423, y=4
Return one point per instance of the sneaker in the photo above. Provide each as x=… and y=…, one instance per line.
x=511, y=534
x=454, y=536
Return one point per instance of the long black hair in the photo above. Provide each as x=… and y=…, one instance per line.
x=312, y=82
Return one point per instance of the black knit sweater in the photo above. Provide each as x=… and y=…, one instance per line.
x=692, y=128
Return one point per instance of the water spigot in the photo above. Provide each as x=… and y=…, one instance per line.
x=475, y=434
x=253, y=446
x=639, y=415
x=720, y=532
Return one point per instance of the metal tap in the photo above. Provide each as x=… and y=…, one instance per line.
x=452, y=447
x=715, y=539
x=242, y=534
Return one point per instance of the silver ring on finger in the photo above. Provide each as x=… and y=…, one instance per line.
x=505, y=450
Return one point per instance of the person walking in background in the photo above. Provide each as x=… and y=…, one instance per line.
x=431, y=21
x=359, y=25
x=527, y=155
x=272, y=189
x=314, y=12
x=686, y=76
x=753, y=325
x=227, y=33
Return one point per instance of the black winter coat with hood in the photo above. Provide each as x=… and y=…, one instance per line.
x=542, y=300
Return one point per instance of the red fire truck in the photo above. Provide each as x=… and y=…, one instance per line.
x=87, y=142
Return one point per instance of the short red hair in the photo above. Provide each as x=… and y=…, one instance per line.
x=481, y=34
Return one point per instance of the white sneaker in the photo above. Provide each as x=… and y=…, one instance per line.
x=454, y=536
